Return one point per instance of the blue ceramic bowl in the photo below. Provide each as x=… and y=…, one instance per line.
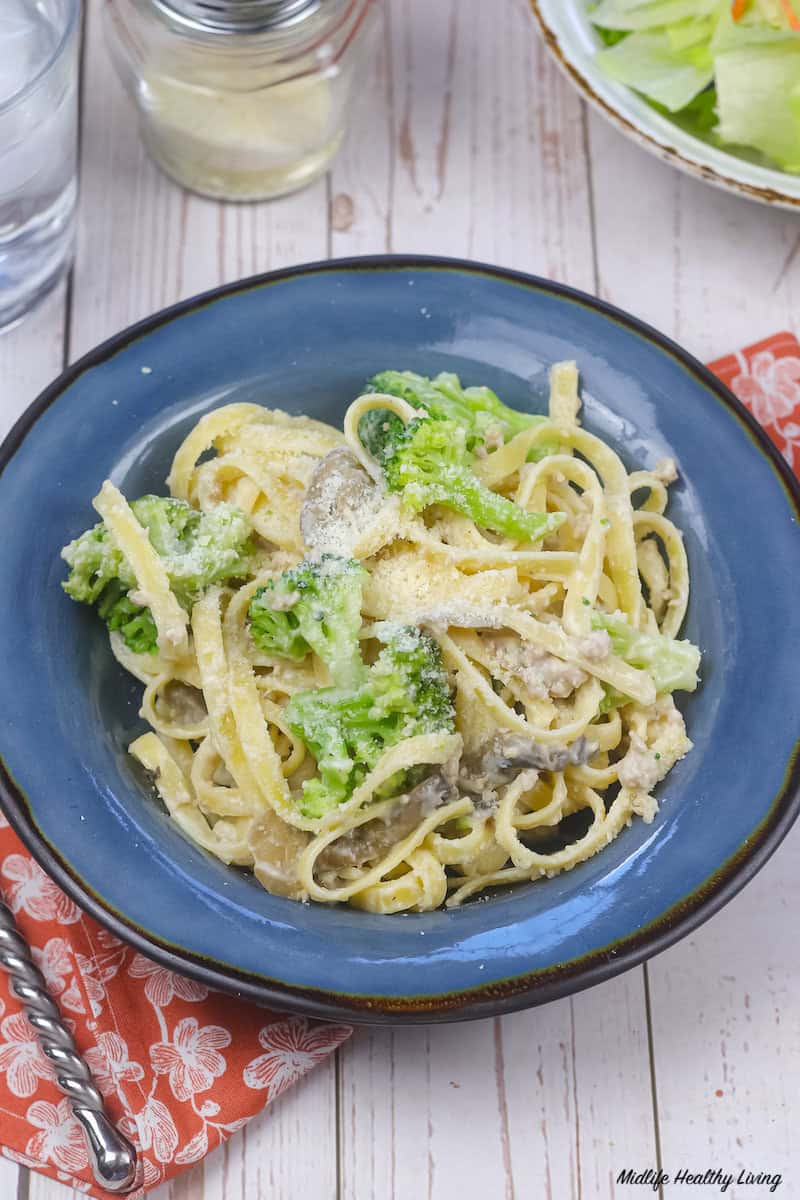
x=306, y=340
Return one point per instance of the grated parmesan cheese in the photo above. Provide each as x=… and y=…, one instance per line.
x=398, y=590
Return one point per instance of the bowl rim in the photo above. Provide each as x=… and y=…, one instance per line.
x=732, y=179
x=497, y=997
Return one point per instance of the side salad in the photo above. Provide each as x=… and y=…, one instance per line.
x=725, y=70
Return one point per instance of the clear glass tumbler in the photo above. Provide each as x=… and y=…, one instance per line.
x=38, y=148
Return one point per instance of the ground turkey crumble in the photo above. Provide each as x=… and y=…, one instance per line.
x=639, y=770
x=543, y=675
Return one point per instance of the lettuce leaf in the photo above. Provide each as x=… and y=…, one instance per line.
x=610, y=37
x=773, y=12
x=685, y=34
x=751, y=30
x=699, y=117
x=758, y=98
x=648, y=63
x=758, y=90
x=733, y=83
x=650, y=14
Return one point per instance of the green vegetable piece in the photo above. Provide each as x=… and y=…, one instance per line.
x=612, y=699
x=428, y=462
x=673, y=664
x=649, y=63
x=404, y=693
x=652, y=14
x=314, y=606
x=94, y=562
x=694, y=32
x=334, y=725
x=199, y=549
x=727, y=74
x=135, y=624
x=758, y=99
x=610, y=37
x=409, y=684
x=379, y=431
x=478, y=409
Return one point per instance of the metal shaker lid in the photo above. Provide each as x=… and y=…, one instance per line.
x=237, y=16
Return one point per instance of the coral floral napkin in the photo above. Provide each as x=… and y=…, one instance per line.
x=766, y=378
x=183, y=1068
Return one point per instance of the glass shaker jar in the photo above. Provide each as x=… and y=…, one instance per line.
x=240, y=99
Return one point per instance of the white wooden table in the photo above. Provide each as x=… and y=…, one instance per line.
x=468, y=142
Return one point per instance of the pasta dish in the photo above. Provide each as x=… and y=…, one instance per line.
x=400, y=664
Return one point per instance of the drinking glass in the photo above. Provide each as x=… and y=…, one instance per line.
x=38, y=148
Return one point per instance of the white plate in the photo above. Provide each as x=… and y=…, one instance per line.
x=572, y=41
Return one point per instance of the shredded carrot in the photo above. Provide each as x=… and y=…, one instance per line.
x=791, y=15
x=738, y=9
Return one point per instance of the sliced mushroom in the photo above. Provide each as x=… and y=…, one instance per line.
x=276, y=849
x=509, y=753
x=370, y=841
x=339, y=497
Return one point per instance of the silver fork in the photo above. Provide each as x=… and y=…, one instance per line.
x=112, y=1156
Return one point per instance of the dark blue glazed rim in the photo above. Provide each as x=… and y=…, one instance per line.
x=305, y=339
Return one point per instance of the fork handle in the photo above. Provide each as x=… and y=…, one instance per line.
x=112, y=1156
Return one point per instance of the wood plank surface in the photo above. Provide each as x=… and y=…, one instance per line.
x=143, y=244
x=31, y=355
x=466, y=141
x=483, y=157
x=725, y=1029
x=713, y=271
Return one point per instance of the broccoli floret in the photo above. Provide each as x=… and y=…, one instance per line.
x=335, y=725
x=428, y=462
x=199, y=549
x=379, y=431
x=477, y=409
x=314, y=606
x=408, y=678
x=167, y=521
x=673, y=664
x=94, y=562
x=134, y=623
x=611, y=699
x=404, y=693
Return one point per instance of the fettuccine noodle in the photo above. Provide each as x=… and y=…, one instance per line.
x=559, y=739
